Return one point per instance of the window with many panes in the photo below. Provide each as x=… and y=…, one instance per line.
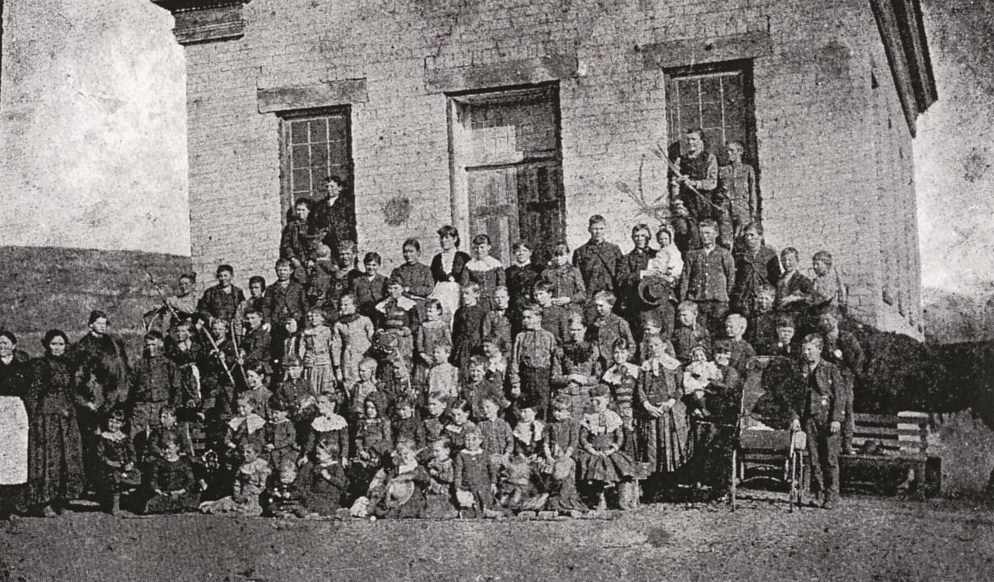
x=315, y=145
x=717, y=99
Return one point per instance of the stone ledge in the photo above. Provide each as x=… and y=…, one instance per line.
x=313, y=96
x=474, y=77
x=697, y=51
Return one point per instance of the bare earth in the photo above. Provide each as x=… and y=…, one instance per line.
x=864, y=539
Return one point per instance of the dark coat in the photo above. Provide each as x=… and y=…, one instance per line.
x=751, y=272
x=825, y=399
x=282, y=303
x=216, y=303
x=597, y=263
x=708, y=276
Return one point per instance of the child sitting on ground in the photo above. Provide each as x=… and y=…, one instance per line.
x=283, y=497
x=474, y=482
x=442, y=475
x=250, y=482
x=398, y=489
x=171, y=484
x=498, y=439
x=373, y=442
x=323, y=483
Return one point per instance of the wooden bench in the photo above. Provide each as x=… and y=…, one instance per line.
x=891, y=455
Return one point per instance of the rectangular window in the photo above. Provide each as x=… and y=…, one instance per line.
x=315, y=145
x=717, y=98
x=506, y=160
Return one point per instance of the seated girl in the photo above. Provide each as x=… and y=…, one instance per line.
x=171, y=486
x=398, y=489
x=250, y=482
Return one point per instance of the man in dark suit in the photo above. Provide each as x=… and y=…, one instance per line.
x=822, y=419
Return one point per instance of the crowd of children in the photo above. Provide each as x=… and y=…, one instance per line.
x=463, y=388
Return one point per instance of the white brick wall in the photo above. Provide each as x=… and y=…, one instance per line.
x=831, y=174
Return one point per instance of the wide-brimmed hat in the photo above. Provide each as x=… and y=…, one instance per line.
x=654, y=291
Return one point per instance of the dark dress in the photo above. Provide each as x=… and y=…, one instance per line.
x=323, y=487
x=55, y=462
x=171, y=477
x=559, y=475
x=400, y=495
x=600, y=432
x=113, y=455
x=467, y=334
x=473, y=475
x=664, y=442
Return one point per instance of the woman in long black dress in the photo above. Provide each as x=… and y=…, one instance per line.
x=15, y=375
x=55, y=460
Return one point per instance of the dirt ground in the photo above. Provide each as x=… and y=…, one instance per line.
x=863, y=539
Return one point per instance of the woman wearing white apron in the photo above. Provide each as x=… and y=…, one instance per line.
x=15, y=378
x=446, y=268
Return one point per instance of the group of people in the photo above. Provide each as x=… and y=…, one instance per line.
x=465, y=387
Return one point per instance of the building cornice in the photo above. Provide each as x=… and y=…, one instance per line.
x=902, y=30
x=199, y=21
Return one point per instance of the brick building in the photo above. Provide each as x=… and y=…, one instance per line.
x=524, y=117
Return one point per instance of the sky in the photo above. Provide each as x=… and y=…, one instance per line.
x=92, y=126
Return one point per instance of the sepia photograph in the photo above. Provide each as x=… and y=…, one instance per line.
x=496, y=290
